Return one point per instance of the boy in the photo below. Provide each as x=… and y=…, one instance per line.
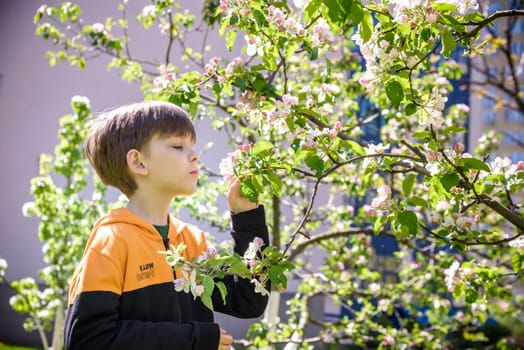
x=122, y=294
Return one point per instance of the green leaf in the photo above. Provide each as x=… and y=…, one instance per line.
x=206, y=300
x=248, y=190
x=353, y=146
x=314, y=162
x=223, y=291
x=235, y=18
x=517, y=261
x=365, y=28
x=448, y=43
x=209, y=284
x=259, y=84
x=411, y=109
x=275, y=182
x=408, y=219
x=421, y=202
x=443, y=7
x=262, y=146
x=407, y=184
x=270, y=58
x=231, y=36
x=453, y=130
x=377, y=226
x=311, y=9
x=449, y=180
x=337, y=10
x=357, y=13
x=395, y=92
x=475, y=164
x=471, y=295
x=290, y=49
x=422, y=135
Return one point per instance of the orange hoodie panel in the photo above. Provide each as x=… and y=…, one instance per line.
x=128, y=247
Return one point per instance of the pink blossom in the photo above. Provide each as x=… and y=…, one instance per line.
x=452, y=275
x=42, y=9
x=159, y=83
x=179, y=284
x=402, y=19
x=517, y=243
x=458, y=148
x=226, y=167
x=290, y=100
x=243, y=148
x=328, y=338
x=149, y=11
x=163, y=27
x=459, y=315
x=258, y=241
x=310, y=144
x=238, y=60
x=98, y=27
x=198, y=290
x=332, y=132
x=433, y=17
x=363, y=81
x=369, y=210
x=162, y=68
x=388, y=340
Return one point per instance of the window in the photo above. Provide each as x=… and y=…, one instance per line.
x=513, y=116
x=517, y=156
x=383, y=260
x=488, y=114
x=510, y=136
x=517, y=46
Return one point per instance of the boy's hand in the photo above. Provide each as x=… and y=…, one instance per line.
x=226, y=340
x=237, y=203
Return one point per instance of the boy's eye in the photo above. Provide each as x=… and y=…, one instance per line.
x=177, y=147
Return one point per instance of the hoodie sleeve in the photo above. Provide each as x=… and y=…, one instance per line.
x=242, y=301
x=94, y=320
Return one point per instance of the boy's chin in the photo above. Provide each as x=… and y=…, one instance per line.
x=189, y=192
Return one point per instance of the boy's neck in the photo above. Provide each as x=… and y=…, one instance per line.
x=154, y=211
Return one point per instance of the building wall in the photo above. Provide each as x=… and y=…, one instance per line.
x=486, y=113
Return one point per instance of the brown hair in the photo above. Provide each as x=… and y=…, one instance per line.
x=128, y=127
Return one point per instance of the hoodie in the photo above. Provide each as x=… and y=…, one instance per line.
x=122, y=295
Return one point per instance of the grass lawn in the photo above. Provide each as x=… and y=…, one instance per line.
x=13, y=347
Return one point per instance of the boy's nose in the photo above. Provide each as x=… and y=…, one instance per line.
x=194, y=156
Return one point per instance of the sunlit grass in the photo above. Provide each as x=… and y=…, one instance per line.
x=14, y=347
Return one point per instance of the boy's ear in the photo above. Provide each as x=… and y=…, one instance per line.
x=135, y=162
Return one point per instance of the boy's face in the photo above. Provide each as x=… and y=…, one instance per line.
x=172, y=165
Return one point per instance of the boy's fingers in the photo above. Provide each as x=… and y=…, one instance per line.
x=234, y=182
x=226, y=340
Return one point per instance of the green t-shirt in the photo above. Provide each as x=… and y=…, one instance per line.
x=162, y=229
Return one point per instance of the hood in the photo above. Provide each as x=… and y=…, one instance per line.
x=125, y=216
